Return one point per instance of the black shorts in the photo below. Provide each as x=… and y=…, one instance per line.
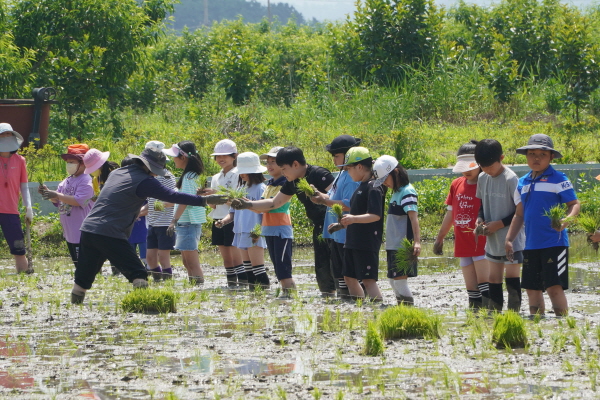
x=157, y=238
x=280, y=251
x=543, y=268
x=222, y=236
x=73, y=252
x=361, y=264
x=392, y=269
x=337, y=259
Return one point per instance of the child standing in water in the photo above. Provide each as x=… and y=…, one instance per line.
x=364, y=226
x=463, y=208
x=402, y=222
x=225, y=155
x=244, y=221
x=73, y=197
x=188, y=220
x=13, y=181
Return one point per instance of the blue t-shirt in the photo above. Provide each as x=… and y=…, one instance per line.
x=342, y=189
x=245, y=220
x=538, y=195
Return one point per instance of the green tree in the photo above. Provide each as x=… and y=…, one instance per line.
x=87, y=49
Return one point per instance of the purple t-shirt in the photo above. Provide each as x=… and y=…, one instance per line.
x=71, y=217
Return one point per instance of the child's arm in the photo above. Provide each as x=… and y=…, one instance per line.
x=350, y=219
x=414, y=219
x=228, y=219
x=178, y=213
x=262, y=205
x=513, y=231
x=444, y=229
x=143, y=211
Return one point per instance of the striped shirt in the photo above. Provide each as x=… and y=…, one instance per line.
x=191, y=214
x=161, y=218
x=398, y=225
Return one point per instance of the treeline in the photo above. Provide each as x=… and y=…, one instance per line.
x=191, y=13
x=116, y=53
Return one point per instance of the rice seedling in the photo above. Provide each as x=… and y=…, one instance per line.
x=256, y=233
x=150, y=300
x=408, y=322
x=337, y=210
x=557, y=215
x=571, y=322
x=159, y=205
x=509, y=330
x=590, y=223
x=373, y=343
x=405, y=259
x=233, y=193
x=305, y=187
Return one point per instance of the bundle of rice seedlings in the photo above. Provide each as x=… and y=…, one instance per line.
x=336, y=210
x=233, y=193
x=590, y=223
x=557, y=215
x=405, y=258
x=159, y=205
x=509, y=330
x=373, y=343
x=408, y=322
x=256, y=233
x=305, y=187
x=151, y=300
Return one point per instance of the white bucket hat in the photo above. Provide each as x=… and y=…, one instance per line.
x=11, y=143
x=382, y=167
x=249, y=163
x=225, y=147
x=465, y=162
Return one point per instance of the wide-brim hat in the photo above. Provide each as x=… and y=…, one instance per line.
x=153, y=160
x=249, y=163
x=464, y=163
x=382, y=168
x=272, y=153
x=76, y=152
x=539, y=141
x=225, y=147
x=342, y=143
x=94, y=159
x=13, y=143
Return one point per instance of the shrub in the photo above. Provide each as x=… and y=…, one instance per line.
x=408, y=322
x=509, y=330
x=150, y=300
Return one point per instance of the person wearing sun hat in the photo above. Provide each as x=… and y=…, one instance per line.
x=463, y=208
x=13, y=182
x=546, y=254
x=97, y=165
x=106, y=229
x=73, y=197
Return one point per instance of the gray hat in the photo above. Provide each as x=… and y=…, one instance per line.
x=539, y=141
x=11, y=143
x=154, y=160
x=272, y=153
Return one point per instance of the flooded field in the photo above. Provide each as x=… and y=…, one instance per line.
x=234, y=344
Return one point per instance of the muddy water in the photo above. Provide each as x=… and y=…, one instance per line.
x=233, y=344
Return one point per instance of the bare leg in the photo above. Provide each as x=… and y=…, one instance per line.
x=559, y=300
x=373, y=289
x=482, y=270
x=256, y=254
x=21, y=263
x=512, y=271
x=152, y=258
x=354, y=287
x=288, y=283
x=470, y=277
x=192, y=263
x=231, y=256
x=536, y=302
x=164, y=257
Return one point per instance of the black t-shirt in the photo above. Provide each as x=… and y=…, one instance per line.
x=321, y=179
x=366, y=200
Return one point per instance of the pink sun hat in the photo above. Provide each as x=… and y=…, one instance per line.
x=94, y=159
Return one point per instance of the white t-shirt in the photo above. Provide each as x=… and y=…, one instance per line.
x=228, y=180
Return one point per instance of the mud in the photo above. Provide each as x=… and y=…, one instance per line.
x=234, y=344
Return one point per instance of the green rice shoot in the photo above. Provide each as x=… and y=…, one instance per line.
x=233, y=193
x=337, y=210
x=256, y=233
x=557, y=214
x=590, y=223
x=408, y=322
x=305, y=187
x=373, y=343
x=509, y=330
x=159, y=205
x=405, y=258
x=150, y=300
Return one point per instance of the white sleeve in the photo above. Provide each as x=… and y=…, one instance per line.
x=25, y=194
x=517, y=196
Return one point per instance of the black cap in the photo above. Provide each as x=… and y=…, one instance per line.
x=342, y=143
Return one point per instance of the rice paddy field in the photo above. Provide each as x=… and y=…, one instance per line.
x=233, y=344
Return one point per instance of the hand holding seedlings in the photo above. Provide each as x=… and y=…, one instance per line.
x=318, y=197
x=202, y=191
x=492, y=227
x=347, y=219
x=438, y=247
x=216, y=199
x=256, y=233
x=558, y=217
x=590, y=223
x=508, y=248
x=241, y=204
x=305, y=187
x=334, y=227
x=50, y=194
x=171, y=228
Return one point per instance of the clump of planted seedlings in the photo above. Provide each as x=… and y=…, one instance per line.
x=590, y=223
x=305, y=187
x=509, y=330
x=338, y=211
x=405, y=257
x=256, y=233
x=373, y=343
x=151, y=300
x=408, y=322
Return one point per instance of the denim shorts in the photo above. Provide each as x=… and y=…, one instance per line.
x=188, y=236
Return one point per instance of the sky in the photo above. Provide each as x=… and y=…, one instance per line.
x=338, y=9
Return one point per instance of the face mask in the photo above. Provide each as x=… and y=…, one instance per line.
x=96, y=173
x=72, y=168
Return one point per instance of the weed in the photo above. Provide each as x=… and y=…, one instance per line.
x=405, y=258
x=373, y=343
x=509, y=330
x=150, y=300
x=408, y=322
x=305, y=187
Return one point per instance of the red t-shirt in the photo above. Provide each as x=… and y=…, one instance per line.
x=14, y=174
x=465, y=207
